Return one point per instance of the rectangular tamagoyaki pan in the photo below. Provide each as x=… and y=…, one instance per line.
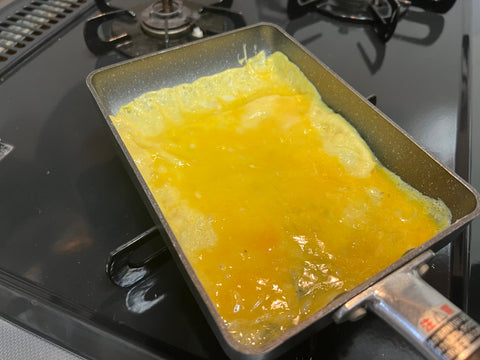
x=391, y=292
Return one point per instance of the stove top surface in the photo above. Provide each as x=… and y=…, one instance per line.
x=67, y=200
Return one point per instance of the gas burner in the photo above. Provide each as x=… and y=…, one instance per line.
x=383, y=15
x=168, y=18
x=158, y=25
x=359, y=10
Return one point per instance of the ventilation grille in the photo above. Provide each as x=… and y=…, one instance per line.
x=32, y=25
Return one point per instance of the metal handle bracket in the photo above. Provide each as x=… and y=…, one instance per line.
x=438, y=328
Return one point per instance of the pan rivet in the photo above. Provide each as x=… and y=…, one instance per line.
x=422, y=269
x=357, y=314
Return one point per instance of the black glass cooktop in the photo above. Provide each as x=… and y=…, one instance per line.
x=67, y=200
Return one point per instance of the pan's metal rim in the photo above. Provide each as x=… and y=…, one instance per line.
x=313, y=321
x=92, y=74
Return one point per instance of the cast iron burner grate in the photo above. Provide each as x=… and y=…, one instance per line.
x=383, y=15
x=156, y=26
x=137, y=259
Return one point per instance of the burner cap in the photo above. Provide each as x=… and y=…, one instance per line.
x=167, y=18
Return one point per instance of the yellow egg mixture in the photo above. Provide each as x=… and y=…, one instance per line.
x=276, y=200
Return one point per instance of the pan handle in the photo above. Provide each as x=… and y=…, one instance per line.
x=433, y=324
